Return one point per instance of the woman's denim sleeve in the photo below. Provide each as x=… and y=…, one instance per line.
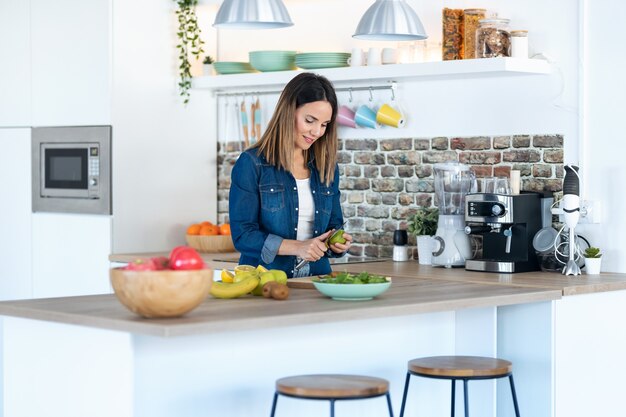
x=244, y=211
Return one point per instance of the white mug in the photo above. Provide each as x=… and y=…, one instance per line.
x=390, y=56
x=374, y=56
x=356, y=59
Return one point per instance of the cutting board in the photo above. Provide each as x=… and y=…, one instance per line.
x=304, y=283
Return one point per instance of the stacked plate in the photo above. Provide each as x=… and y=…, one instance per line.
x=233, y=67
x=273, y=60
x=314, y=60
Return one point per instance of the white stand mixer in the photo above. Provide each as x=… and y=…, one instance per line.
x=453, y=181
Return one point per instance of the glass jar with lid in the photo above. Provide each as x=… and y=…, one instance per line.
x=519, y=43
x=493, y=38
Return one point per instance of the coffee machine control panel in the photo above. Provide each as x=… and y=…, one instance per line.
x=485, y=209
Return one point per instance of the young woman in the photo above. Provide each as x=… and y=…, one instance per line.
x=284, y=193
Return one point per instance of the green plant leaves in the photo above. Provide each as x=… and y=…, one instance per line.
x=190, y=43
x=424, y=222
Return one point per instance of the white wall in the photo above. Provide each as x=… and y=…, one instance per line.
x=165, y=171
x=602, y=157
x=15, y=87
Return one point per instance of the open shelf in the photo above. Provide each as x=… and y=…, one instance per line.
x=489, y=67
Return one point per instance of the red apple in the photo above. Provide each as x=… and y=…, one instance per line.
x=185, y=258
x=161, y=262
x=142, y=264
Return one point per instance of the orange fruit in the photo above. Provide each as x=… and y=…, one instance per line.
x=224, y=229
x=194, y=229
x=209, y=230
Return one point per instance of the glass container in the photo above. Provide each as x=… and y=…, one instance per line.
x=471, y=17
x=493, y=38
x=452, y=46
x=519, y=43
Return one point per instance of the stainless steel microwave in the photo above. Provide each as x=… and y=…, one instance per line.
x=71, y=169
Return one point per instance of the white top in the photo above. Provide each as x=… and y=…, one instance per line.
x=306, y=210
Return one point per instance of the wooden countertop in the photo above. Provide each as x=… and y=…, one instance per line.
x=304, y=306
x=568, y=285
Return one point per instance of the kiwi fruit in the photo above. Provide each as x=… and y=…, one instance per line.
x=267, y=289
x=279, y=291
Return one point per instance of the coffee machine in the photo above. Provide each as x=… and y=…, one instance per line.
x=507, y=225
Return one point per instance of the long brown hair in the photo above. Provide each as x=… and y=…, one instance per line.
x=277, y=143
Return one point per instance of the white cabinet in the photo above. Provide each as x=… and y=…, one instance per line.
x=15, y=89
x=71, y=62
x=15, y=214
x=70, y=254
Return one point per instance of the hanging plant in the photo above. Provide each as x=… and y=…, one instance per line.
x=189, y=43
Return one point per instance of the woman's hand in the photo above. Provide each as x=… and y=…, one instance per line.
x=342, y=247
x=313, y=249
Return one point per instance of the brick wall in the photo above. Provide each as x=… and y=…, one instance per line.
x=383, y=181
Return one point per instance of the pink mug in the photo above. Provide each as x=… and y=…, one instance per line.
x=345, y=116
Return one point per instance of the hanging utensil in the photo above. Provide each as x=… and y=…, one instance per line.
x=257, y=118
x=244, y=123
x=253, y=136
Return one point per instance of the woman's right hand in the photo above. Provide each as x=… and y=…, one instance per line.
x=313, y=249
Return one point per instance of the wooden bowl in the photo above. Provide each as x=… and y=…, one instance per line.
x=163, y=293
x=218, y=243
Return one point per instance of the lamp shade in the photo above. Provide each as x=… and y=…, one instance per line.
x=252, y=14
x=390, y=20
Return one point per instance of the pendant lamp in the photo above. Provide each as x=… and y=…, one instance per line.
x=252, y=14
x=390, y=20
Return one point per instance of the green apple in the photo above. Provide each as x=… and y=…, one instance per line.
x=271, y=275
x=337, y=237
x=264, y=278
x=279, y=275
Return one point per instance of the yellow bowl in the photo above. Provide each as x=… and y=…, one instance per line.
x=163, y=293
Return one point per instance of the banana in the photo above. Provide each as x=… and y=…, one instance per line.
x=234, y=290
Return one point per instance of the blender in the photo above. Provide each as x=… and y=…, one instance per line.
x=453, y=181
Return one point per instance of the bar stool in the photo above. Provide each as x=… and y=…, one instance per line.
x=465, y=368
x=332, y=387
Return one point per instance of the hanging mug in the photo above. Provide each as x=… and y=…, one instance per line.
x=366, y=117
x=389, y=116
x=346, y=116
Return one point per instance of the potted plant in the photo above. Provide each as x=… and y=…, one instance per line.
x=207, y=65
x=423, y=225
x=593, y=260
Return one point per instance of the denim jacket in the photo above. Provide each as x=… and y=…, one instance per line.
x=263, y=210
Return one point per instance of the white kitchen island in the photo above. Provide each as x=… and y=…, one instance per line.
x=87, y=355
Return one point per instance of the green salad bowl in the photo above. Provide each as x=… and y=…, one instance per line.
x=352, y=292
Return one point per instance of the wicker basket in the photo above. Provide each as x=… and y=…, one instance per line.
x=219, y=243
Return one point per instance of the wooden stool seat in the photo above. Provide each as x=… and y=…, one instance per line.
x=464, y=368
x=460, y=366
x=332, y=386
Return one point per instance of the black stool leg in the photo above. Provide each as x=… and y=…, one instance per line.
x=452, y=400
x=514, y=396
x=406, y=389
x=465, y=398
x=274, y=404
x=332, y=407
x=389, y=405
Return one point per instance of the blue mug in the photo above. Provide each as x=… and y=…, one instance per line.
x=365, y=117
